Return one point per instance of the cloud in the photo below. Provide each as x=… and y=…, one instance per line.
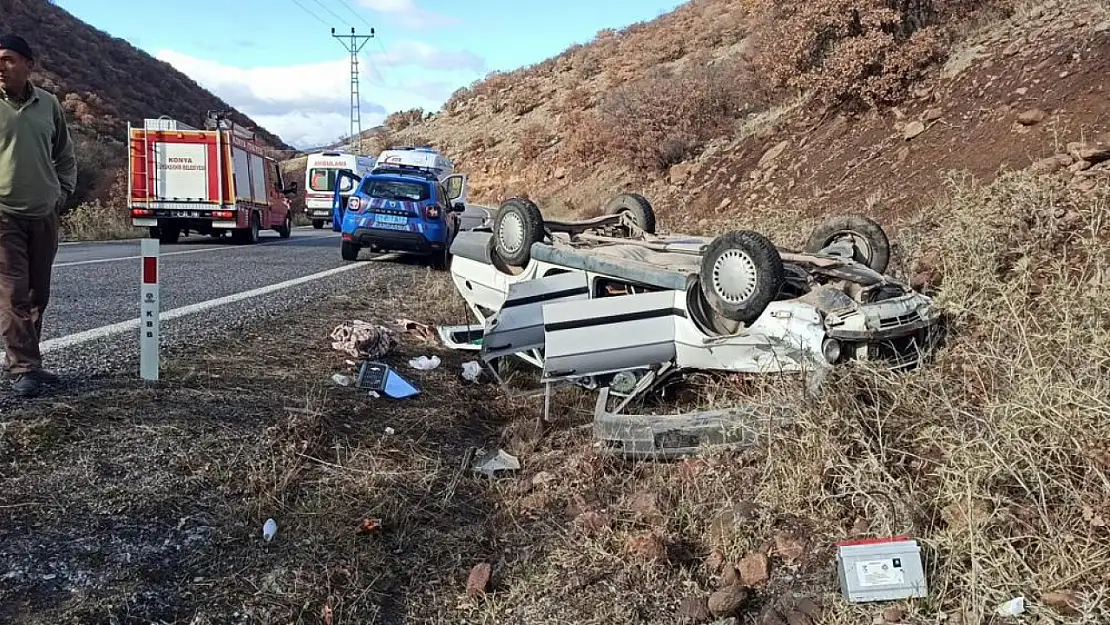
x=408, y=14
x=423, y=55
x=309, y=104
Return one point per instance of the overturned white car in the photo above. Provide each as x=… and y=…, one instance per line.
x=607, y=304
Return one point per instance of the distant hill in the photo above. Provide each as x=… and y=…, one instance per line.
x=103, y=82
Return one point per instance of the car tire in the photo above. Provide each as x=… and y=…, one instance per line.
x=741, y=274
x=872, y=247
x=318, y=224
x=519, y=224
x=349, y=251
x=635, y=205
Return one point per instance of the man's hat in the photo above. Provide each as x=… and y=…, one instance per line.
x=15, y=43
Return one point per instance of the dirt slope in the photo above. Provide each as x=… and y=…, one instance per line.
x=529, y=131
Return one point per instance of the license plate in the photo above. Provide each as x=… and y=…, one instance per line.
x=387, y=220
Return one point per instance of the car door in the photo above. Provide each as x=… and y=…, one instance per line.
x=518, y=326
x=338, y=204
x=456, y=185
x=609, y=334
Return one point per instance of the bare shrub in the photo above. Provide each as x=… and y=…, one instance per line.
x=856, y=53
x=662, y=120
x=400, y=120
x=533, y=139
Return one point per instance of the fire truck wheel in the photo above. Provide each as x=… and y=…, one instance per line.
x=286, y=227
x=349, y=251
x=169, y=235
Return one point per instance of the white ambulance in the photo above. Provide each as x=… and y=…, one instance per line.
x=427, y=159
x=319, y=183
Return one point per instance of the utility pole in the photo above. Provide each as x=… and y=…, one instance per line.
x=354, y=46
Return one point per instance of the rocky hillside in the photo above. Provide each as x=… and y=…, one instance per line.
x=103, y=82
x=725, y=107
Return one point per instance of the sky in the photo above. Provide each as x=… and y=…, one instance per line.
x=277, y=61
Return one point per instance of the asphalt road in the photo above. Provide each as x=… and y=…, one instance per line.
x=207, y=288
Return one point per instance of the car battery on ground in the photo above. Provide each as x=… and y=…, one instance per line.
x=880, y=569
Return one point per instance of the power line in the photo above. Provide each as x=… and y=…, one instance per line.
x=305, y=9
x=352, y=12
x=333, y=13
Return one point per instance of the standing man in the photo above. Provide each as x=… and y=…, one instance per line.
x=38, y=172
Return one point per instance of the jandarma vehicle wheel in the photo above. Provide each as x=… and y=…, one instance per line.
x=741, y=273
x=635, y=205
x=518, y=225
x=872, y=248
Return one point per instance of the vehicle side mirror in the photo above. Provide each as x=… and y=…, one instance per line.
x=290, y=189
x=458, y=207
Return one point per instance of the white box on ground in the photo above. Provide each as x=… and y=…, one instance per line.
x=880, y=569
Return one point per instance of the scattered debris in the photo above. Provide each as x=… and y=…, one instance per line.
x=1013, y=607
x=477, y=583
x=363, y=340
x=341, y=380
x=420, y=331
x=269, y=530
x=490, y=464
x=471, y=370
x=390, y=431
x=378, y=377
x=424, y=363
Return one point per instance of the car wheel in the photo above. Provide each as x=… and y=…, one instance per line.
x=869, y=240
x=318, y=224
x=349, y=251
x=741, y=273
x=637, y=207
x=519, y=224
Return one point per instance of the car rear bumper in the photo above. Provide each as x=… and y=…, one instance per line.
x=395, y=240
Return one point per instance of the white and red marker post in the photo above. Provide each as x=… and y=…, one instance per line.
x=149, y=310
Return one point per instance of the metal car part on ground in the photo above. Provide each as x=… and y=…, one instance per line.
x=607, y=304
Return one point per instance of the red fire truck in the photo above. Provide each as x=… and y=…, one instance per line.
x=211, y=182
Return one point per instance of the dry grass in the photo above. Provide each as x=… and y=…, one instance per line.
x=97, y=222
x=994, y=456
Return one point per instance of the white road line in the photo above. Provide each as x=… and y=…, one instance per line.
x=207, y=249
x=133, y=324
x=119, y=258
